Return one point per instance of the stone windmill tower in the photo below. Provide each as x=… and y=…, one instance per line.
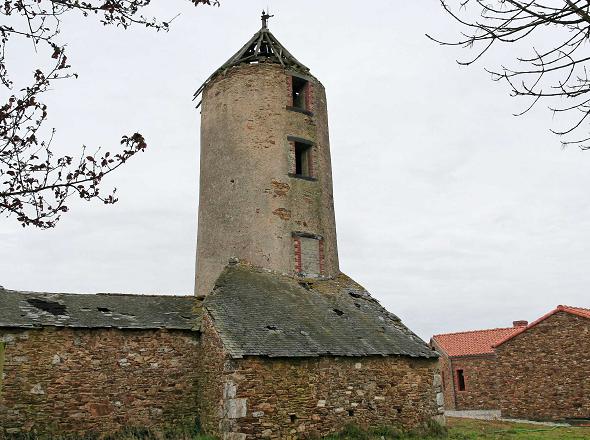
x=291, y=346
x=265, y=179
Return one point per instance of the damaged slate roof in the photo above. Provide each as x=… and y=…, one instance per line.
x=35, y=309
x=257, y=312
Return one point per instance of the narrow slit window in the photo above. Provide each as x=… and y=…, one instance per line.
x=460, y=380
x=300, y=90
x=303, y=160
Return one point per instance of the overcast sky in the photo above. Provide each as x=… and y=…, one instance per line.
x=452, y=212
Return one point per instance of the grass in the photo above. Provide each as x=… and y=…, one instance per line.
x=429, y=431
x=178, y=431
x=457, y=429
x=469, y=429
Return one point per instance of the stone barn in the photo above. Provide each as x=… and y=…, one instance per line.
x=537, y=371
x=277, y=342
x=76, y=363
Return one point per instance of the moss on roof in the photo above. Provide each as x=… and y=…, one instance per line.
x=260, y=313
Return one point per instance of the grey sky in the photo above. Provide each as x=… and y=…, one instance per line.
x=452, y=212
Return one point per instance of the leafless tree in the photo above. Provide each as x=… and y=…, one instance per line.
x=555, y=70
x=35, y=184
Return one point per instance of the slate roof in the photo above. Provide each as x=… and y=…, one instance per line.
x=470, y=343
x=35, y=309
x=578, y=311
x=257, y=312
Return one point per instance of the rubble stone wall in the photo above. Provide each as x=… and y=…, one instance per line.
x=544, y=373
x=298, y=398
x=82, y=380
x=478, y=372
x=446, y=377
x=210, y=378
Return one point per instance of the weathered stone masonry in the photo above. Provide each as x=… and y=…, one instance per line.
x=278, y=343
x=537, y=371
x=83, y=380
x=544, y=372
x=253, y=200
x=261, y=397
x=316, y=396
x=479, y=392
x=272, y=375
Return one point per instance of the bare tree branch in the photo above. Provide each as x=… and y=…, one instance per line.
x=557, y=73
x=34, y=184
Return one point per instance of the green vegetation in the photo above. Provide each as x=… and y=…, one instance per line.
x=431, y=430
x=457, y=429
x=468, y=429
x=179, y=431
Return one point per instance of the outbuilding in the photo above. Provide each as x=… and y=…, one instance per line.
x=536, y=371
x=467, y=360
x=543, y=370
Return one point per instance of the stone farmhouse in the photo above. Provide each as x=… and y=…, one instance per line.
x=276, y=343
x=537, y=371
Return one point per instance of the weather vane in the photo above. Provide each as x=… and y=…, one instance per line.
x=265, y=17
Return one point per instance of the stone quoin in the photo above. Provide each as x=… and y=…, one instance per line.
x=276, y=342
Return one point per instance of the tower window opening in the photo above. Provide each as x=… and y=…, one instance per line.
x=460, y=380
x=300, y=90
x=303, y=160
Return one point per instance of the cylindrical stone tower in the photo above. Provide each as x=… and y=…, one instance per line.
x=265, y=173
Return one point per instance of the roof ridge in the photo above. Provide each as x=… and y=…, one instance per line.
x=142, y=295
x=579, y=311
x=564, y=306
x=475, y=331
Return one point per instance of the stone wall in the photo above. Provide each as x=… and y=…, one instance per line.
x=210, y=378
x=298, y=398
x=250, y=202
x=79, y=380
x=446, y=378
x=480, y=392
x=544, y=373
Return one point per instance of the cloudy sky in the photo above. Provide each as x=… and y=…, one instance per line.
x=455, y=214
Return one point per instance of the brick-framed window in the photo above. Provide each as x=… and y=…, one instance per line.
x=302, y=158
x=299, y=93
x=460, y=375
x=309, y=254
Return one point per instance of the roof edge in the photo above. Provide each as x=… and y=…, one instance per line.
x=135, y=295
x=471, y=331
x=559, y=308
